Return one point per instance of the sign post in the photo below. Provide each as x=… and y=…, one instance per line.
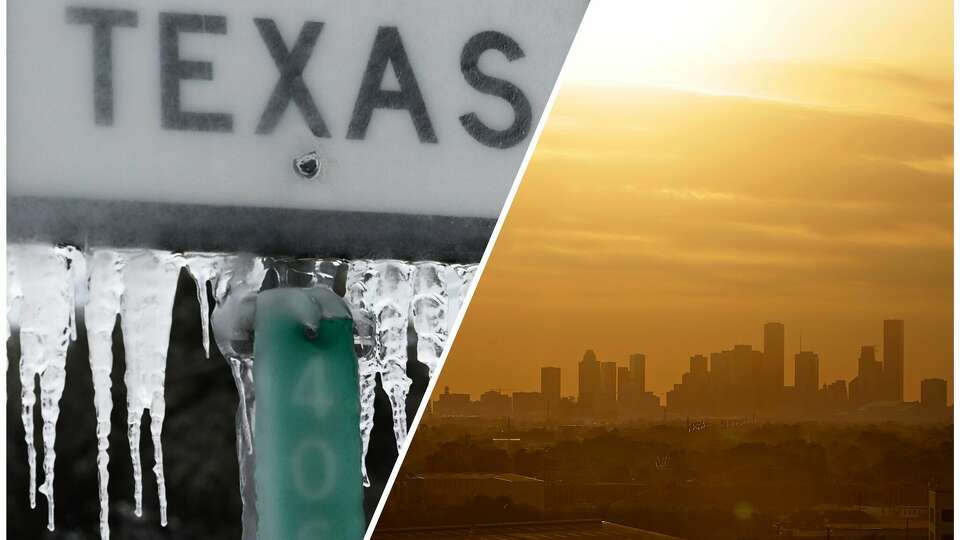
x=308, y=409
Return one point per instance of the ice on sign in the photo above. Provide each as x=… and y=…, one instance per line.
x=48, y=284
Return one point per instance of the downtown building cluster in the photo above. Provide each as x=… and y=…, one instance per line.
x=738, y=382
x=748, y=382
x=606, y=391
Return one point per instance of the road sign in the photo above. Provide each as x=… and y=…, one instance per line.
x=308, y=409
x=423, y=107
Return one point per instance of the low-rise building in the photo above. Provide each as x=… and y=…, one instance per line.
x=541, y=530
x=451, y=404
x=433, y=490
x=940, y=514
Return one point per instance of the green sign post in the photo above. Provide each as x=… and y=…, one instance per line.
x=308, y=476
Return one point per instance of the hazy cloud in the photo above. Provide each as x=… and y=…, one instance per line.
x=668, y=222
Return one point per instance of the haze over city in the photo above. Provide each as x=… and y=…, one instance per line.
x=689, y=188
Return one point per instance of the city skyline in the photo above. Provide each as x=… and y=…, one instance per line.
x=727, y=209
x=671, y=206
x=877, y=371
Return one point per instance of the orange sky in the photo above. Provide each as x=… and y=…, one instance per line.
x=793, y=165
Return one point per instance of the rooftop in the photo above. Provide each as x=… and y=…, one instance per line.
x=504, y=477
x=542, y=530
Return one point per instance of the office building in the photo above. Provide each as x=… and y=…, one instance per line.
x=550, y=387
x=638, y=370
x=737, y=379
x=588, y=381
x=529, y=404
x=933, y=393
x=698, y=365
x=940, y=514
x=608, y=388
x=806, y=373
x=834, y=396
x=893, y=359
x=494, y=404
x=773, y=356
x=451, y=404
x=868, y=386
x=625, y=385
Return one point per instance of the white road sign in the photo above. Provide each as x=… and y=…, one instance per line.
x=413, y=107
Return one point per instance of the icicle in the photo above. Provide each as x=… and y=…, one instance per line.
x=150, y=284
x=79, y=280
x=319, y=272
x=457, y=280
x=428, y=312
x=359, y=295
x=204, y=268
x=242, y=370
x=392, y=308
x=14, y=299
x=46, y=285
x=325, y=272
x=44, y=296
x=100, y=316
x=239, y=278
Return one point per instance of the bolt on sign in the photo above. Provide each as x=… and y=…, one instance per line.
x=412, y=108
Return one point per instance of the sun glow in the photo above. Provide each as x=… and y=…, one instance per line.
x=818, y=52
x=714, y=164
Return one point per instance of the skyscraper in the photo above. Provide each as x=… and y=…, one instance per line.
x=550, y=382
x=588, y=381
x=806, y=371
x=773, y=355
x=933, y=393
x=550, y=387
x=608, y=387
x=698, y=365
x=626, y=386
x=834, y=395
x=893, y=359
x=868, y=385
x=737, y=379
x=529, y=404
x=867, y=365
x=638, y=370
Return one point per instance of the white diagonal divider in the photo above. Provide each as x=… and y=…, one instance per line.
x=463, y=309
